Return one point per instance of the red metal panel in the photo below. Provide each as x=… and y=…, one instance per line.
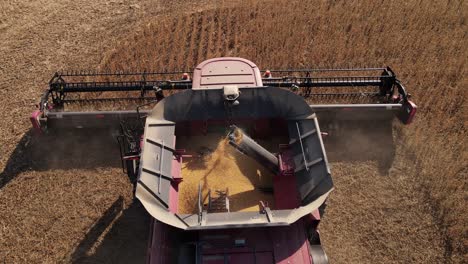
x=284, y=184
x=286, y=244
x=264, y=245
x=259, y=128
x=291, y=244
x=213, y=259
x=198, y=128
x=174, y=197
x=176, y=175
x=262, y=128
x=217, y=72
x=35, y=121
x=279, y=127
x=285, y=192
x=182, y=128
x=409, y=111
x=264, y=258
x=244, y=258
x=159, y=251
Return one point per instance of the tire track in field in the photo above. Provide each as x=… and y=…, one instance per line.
x=235, y=27
x=228, y=33
x=189, y=44
x=196, y=43
x=216, y=48
x=179, y=60
x=202, y=39
x=163, y=43
x=208, y=54
x=172, y=45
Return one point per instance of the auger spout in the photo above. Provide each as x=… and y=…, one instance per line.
x=249, y=147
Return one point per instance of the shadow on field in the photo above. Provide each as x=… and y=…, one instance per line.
x=19, y=160
x=78, y=149
x=119, y=236
x=362, y=141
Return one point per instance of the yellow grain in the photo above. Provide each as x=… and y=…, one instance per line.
x=223, y=167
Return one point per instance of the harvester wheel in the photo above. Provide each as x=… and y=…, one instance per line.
x=318, y=254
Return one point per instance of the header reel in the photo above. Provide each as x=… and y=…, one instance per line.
x=328, y=90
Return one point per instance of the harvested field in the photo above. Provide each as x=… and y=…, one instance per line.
x=71, y=203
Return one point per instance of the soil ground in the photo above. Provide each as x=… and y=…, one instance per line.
x=65, y=198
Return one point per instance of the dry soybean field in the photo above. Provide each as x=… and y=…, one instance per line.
x=68, y=200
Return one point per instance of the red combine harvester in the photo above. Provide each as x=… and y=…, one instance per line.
x=161, y=126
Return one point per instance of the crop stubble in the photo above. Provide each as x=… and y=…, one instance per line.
x=413, y=212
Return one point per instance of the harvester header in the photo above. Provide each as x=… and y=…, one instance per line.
x=361, y=93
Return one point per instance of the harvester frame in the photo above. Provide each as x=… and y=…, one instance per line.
x=219, y=86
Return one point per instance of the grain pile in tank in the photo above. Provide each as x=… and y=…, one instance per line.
x=217, y=166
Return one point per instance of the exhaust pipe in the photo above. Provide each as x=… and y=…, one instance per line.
x=249, y=147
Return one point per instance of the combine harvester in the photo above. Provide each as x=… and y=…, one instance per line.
x=213, y=220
